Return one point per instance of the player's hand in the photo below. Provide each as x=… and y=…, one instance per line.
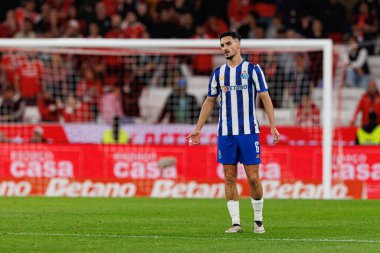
x=275, y=134
x=194, y=137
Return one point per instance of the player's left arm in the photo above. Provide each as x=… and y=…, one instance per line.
x=268, y=106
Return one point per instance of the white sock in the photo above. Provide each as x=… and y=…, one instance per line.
x=258, y=209
x=233, y=209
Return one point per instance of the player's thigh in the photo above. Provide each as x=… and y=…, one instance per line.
x=249, y=149
x=227, y=150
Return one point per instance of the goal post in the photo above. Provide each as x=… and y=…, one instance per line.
x=205, y=47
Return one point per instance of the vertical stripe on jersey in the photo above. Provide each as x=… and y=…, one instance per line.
x=234, y=102
x=213, y=86
x=228, y=99
x=256, y=125
x=251, y=91
x=246, y=128
x=263, y=83
x=239, y=97
x=223, y=102
x=255, y=79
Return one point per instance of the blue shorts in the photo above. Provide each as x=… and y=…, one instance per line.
x=239, y=148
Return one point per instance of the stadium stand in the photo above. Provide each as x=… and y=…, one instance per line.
x=180, y=19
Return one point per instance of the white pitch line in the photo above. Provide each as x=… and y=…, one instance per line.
x=188, y=238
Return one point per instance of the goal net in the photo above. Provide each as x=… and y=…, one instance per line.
x=67, y=93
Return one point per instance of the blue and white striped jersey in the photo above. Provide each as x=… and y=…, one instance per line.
x=237, y=88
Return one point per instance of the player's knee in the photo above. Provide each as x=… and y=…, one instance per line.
x=254, y=179
x=230, y=178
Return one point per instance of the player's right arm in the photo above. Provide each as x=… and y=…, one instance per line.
x=207, y=107
x=206, y=111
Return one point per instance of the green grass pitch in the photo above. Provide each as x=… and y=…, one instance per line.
x=185, y=225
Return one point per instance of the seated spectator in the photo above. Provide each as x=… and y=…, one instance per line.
x=101, y=18
x=238, y=11
x=76, y=111
x=166, y=24
x=246, y=30
x=215, y=26
x=62, y=5
x=265, y=8
x=317, y=30
x=89, y=89
x=144, y=16
x=27, y=31
x=53, y=27
x=93, y=31
x=56, y=77
x=357, y=73
x=43, y=25
x=202, y=63
x=26, y=11
x=72, y=29
x=113, y=6
x=38, y=135
x=9, y=27
x=180, y=106
x=369, y=134
x=186, y=26
x=115, y=134
x=365, y=24
x=304, y=27
x=274, y=28
x=133, y=28
x=334, y=20
x=48, y=107
x=307, y=113
x=139, y=75
x=111, y=105
x=115, y=31
x=369, y=102
x=291, y=12
x=275, y=76
x=73, y=15
x=12, y=106
x=299, y=77
x=29, y=78
x=9, y=64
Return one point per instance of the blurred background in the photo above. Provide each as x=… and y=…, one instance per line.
x=74, y=101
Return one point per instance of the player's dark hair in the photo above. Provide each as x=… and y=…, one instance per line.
x=233, y=34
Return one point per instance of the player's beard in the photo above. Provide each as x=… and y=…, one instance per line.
x=230, y=57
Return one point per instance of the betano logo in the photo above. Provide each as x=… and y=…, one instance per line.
x=233, y=88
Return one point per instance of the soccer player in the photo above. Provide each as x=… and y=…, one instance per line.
x=238, y=82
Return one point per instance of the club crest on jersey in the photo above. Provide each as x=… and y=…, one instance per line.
x=244, y=75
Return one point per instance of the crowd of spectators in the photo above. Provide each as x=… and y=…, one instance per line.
x=82, y=89
x=188, y=19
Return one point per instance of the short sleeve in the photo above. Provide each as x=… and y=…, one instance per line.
x=259, y=79
x=213, y=90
